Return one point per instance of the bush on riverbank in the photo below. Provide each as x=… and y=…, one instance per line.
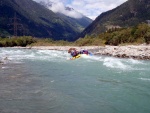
x=134, y=35
x=88, y=41
x=137, y=35
x=50, y=42
x=20, y=41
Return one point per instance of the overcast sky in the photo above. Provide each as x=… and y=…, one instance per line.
x=90, y=8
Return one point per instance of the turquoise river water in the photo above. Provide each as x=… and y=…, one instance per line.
x=45, y=81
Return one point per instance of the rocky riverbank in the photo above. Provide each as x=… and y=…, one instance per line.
x=136, y=52
x=131, y=51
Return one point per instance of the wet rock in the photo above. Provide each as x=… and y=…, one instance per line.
x=1, y=62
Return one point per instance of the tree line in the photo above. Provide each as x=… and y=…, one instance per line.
x=133, y=35
x=118, y=36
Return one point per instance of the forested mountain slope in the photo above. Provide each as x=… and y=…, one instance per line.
x=128, y=14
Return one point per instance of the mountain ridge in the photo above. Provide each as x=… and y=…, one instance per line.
x=81, y=22
x=37, y=20
x=128, y=14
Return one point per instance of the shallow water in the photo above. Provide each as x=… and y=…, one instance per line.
x=45, y=81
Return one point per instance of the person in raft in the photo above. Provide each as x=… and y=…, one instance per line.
x=84, y=52
x=74, y=52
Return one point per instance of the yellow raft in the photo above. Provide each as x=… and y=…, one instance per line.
x=78, y=56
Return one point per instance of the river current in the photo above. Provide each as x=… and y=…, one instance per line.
x=46, y=81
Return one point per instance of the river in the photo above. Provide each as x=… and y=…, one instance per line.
x=46, y=81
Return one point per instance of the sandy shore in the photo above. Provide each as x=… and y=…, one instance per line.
x=130, y=51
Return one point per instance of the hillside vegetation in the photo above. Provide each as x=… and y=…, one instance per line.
x=36, y=20
x=122, y=36
x=13, y=41
x=133, y=35
x=128, y=14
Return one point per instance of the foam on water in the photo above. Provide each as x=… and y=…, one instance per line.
x=145, y=79
x=22, y=54
x=115, y=63
x=135, y=61
x=124, y=64
x=19, y=55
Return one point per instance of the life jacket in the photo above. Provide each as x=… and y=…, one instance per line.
x=74, y=53
x=84, y=52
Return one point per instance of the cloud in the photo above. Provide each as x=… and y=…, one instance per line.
x=59, y=7
x=93, y=8
x=89, y=8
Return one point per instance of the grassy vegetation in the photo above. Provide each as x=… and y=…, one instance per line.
x=119, y=36
x=89, y=40
x=50, y=42
x=135, y=35
x=21, y=41
x=30, y=41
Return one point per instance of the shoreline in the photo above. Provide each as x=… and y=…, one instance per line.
x=140, y=52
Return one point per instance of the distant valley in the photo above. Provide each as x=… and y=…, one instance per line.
x=44, y=20
x=36, y=20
